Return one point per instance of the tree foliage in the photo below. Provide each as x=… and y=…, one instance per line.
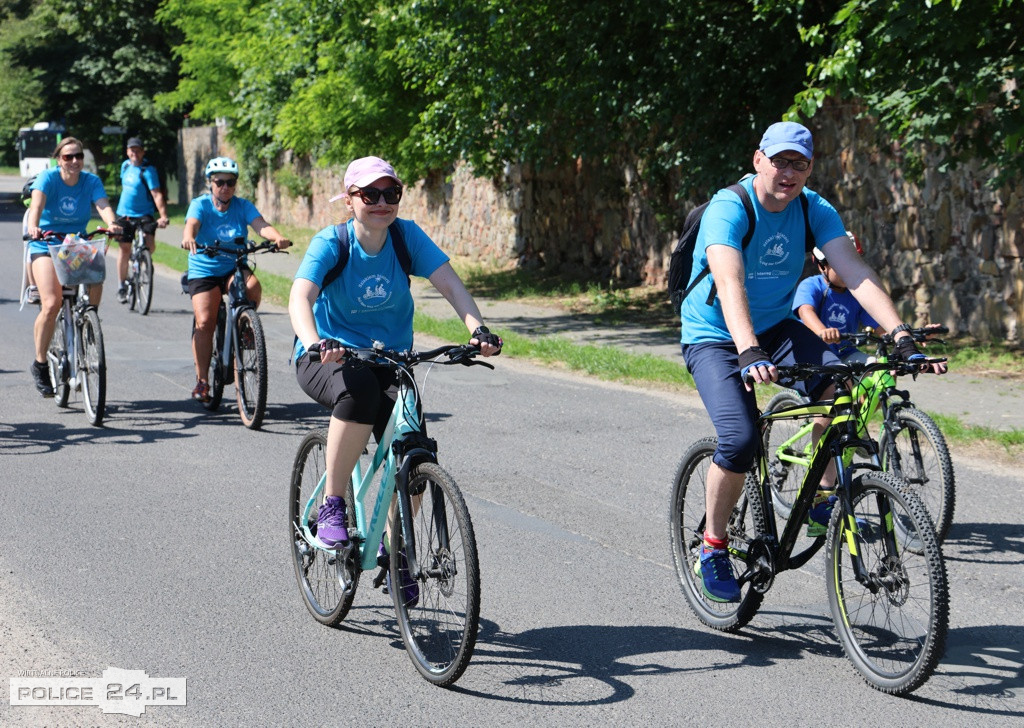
x=665, y=84
x=946, y=74
x=89, y=65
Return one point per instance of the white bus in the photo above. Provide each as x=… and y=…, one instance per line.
x=35, y=145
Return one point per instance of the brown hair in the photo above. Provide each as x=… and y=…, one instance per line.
x=66, y=141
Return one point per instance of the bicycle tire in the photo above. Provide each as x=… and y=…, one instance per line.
x=924, y=463
x=687, y=518
x=251, y=369
x=93, y=366
x=321, y=581
x=440, y=628
x=895, y=636
x=786, y=476
x=57, y=360
x=144, y=282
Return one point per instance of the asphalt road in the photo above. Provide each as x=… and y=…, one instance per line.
x=158, y=543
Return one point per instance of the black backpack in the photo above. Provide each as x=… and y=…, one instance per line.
x=681, y=264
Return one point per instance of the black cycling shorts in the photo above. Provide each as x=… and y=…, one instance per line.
x=354, y=391
x=199, y=285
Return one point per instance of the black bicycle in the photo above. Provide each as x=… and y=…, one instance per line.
x=885, y=575
x=140, y=262
x=239, y=345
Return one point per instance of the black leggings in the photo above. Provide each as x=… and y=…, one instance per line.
x=353, y=391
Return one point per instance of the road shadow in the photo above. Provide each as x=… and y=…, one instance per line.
x=984, y=542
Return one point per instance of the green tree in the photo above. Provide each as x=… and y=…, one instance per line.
x=943, y=73
x=97, y=63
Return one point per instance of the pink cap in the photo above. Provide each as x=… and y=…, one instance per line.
x=368, y=170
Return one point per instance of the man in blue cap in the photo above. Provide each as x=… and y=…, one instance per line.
x=737, y=323
x=141, y=199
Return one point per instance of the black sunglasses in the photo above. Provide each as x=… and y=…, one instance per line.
x=69, y=157
x=221, y=182
x=372, y=195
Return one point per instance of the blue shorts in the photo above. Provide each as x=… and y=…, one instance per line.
x=733, y=410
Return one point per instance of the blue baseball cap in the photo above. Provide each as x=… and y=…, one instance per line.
x=787, y=136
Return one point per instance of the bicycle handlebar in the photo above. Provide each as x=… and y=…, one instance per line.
x=247, y=247
x=922, y=334
x=842, y=372
x=50, y=235
x=379, y=354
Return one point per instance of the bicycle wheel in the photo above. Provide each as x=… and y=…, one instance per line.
x=57, y=359
x=789, y=448
x=686, y=532
x=327, y=584
x=143, y=285
x=251, y=369
x=439, y=628
x=918, y=454
x=93, y=366
x=893, y=628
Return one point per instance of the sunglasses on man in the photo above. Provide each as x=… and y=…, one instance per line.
x=231, y=182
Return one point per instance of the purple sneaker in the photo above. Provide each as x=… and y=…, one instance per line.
x=330, y=521
x=410, y=589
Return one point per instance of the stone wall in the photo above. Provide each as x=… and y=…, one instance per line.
x=949, y=248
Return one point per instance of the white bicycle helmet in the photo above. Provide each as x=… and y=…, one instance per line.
x=224, y=165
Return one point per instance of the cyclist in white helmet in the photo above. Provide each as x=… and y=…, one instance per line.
x=218, y=217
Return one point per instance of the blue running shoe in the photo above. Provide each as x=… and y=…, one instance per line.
x=715, y=571
x=820, y=513
x=330, y=521
x=410, y=589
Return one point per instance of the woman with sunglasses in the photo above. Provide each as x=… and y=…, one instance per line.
x=62, y=202
x=368, y=299
x=218, y=217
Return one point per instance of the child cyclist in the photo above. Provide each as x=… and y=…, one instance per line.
x=827, y=308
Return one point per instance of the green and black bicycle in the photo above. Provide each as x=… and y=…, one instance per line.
x=909, y=441
x=885, y=576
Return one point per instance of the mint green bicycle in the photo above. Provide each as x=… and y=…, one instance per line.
x=910, y=443
x=431, y=558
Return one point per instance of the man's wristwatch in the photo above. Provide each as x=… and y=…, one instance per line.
x=900, y=329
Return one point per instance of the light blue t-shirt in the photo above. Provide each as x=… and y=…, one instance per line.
x=218, y=227
x=135, y=199
x=370, y=301
x=772, y=262
x=67, y=209
x=836, y=309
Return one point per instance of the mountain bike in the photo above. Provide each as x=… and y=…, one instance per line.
x=911, y=445
x=885, y=575
x=140, y=263
x=242, y=355
x=76, y=357
x=431, y=534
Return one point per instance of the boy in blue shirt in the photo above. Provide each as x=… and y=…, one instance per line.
x=827, y=308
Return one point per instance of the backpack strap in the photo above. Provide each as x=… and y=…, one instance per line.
x=748, y=206
x=809, y=241
x=345, y=246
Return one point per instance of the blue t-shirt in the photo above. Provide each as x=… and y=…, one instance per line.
x=772, y=262
x=135, y=199
x=836, y=309
x=67, y=209
x=218, y=227
x=370, y=301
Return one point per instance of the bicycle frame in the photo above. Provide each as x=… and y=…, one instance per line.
x=76, y=299
x=403, y=443
x=837, y=443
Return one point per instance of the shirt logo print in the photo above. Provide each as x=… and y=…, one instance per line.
x=376, y=291
x=68, y=206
